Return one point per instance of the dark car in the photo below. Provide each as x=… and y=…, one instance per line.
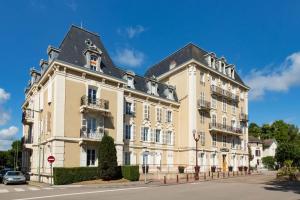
x=3, y=172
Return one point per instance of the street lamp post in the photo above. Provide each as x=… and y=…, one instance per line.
x=197, y=168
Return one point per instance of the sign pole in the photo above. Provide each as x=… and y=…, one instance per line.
x=51, y=178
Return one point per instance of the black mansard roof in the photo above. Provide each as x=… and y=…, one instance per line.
x=73, y=46
x=188, y=52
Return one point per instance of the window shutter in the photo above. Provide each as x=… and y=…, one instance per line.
x=48, y=122
x=148, y=112
x=164, y=137
x=173, y=138
x=125, y=130
x=154, y=135
x=142, y=133
x=134, y=107
x=133, y=132
x=166, y=115
x=145, y=112
x=50, y=90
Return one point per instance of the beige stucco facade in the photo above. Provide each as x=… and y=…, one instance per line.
x=63, y=122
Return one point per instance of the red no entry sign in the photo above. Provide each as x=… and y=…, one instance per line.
x=51, y=159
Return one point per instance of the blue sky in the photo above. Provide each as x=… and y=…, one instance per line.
x=260, y=37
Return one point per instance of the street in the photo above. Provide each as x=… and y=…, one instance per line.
x=250, y=187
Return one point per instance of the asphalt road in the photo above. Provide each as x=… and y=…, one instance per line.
x=255, y=187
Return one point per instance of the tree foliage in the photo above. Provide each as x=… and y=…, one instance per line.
x=107, y=157
x=269, y=162
x=254, y=130
x=12, y=157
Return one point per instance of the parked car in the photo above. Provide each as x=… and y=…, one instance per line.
x=13, y=177
x=3, y=172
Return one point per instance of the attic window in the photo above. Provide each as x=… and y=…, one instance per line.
x=171, y=94
x=93, y=62
x=88, y=42
x=130, y=82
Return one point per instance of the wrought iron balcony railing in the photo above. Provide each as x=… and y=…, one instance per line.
x=225, y=128
x=243, y=117
x=203, y=105
x=224, y=93
x=92, y=134
x=27, y=117
x=94, y=103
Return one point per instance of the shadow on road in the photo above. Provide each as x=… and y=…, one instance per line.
x=283, y=186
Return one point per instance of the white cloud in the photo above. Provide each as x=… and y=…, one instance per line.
x=72, y=5
x=129, y=57
x=4, y=96
x=5, y=144
x=279, y=79
x=4, y=117
x=9, y=133
x=131, y=31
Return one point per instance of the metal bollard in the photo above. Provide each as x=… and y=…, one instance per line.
x=233, y=173
x=223, y=174
x=187, y=177
x=228, y=174
x=165, y=180
x=209, y=173
x=177, y=179
x=218, y=174
x=204, y=176
x=212, y=175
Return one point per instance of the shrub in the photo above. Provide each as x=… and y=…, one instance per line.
x=288, y=170
x=131, y=172
x=63, y=175
x=181, y=169
x=108, y=166
x=269, y=162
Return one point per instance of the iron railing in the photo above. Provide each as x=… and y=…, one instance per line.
x=92, y=134
x=224, y=127
x=243, y=117
x=27, y=116
x=203, y=105
x=94, y=103
x=224, y=93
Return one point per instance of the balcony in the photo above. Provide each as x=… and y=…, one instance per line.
x=92, y=135
x=224, y=93
x=203, y=105
x=97, y=105
x=27, y=117
x=243, y=117
x=218, y=127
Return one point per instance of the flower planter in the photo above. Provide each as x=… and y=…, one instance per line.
x=197, y=169
x=245, y=168
x=213, y=169
x=181, y=169
x=230, y=168
x=240, y=168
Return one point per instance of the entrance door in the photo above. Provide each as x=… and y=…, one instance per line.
x=224, y=163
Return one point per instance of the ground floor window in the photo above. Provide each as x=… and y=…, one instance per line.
x=91, y=157
x=127, y=158
x=157, y=135
x=127, y=132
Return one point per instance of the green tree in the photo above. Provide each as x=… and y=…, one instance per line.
x=269, y=162
x=281, y=131
x=288, y=151
x=107, y=156
x=254, y=130
x=267, y=132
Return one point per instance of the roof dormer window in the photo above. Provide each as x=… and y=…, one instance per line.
x=171, y=94
x=130, y=82
x=92, y=56
x=93, y=62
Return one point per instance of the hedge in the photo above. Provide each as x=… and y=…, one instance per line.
x=64, y=176
x=131, y=172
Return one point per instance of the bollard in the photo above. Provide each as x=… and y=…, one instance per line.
x=212, y=175
x=209, y=173
x=228, y=174
x=223, y=174
x=177, y=180
x=233, y=173
x=165, y=180
x=204, y=176
x=218, y=174
x=187, y=177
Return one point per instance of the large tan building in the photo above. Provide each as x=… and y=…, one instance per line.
x=78, y=95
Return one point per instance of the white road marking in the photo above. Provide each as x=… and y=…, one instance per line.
x=3, y=190
x=82, y=193
x=48, y=188
x=19, y=189
x=33, y=188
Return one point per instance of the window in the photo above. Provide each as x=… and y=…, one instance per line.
x=202, y=138
x=127, y=158
x=130, y=82
x=213, y=159
x=169, y=116
x=214, y=139
x=202, y=117
x=202, y=99
x=257, y=152
x=90, y=157
x=128, y=132
x=157, y=135
x=214, y=102
x=233, y=142
x=169, y=137
x=91, y=125
x=146, y=112
x=214, y=120
x=128, y=108
x=170, y=94
x=92, y=96
x=233, y=124
x=224, y=140
x=144, y=134
x=202, y=78
x=158, y=114
x=153, y=88
x=93, y=62
x=224, y=122
x=224, y=105
x=233, y=108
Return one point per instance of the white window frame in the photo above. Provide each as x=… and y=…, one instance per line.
x=146, y=112
x=202, y=117
x=224, y=105
x=169, y=116
x=158, y=114
x=91, y=161
x=214, y=139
